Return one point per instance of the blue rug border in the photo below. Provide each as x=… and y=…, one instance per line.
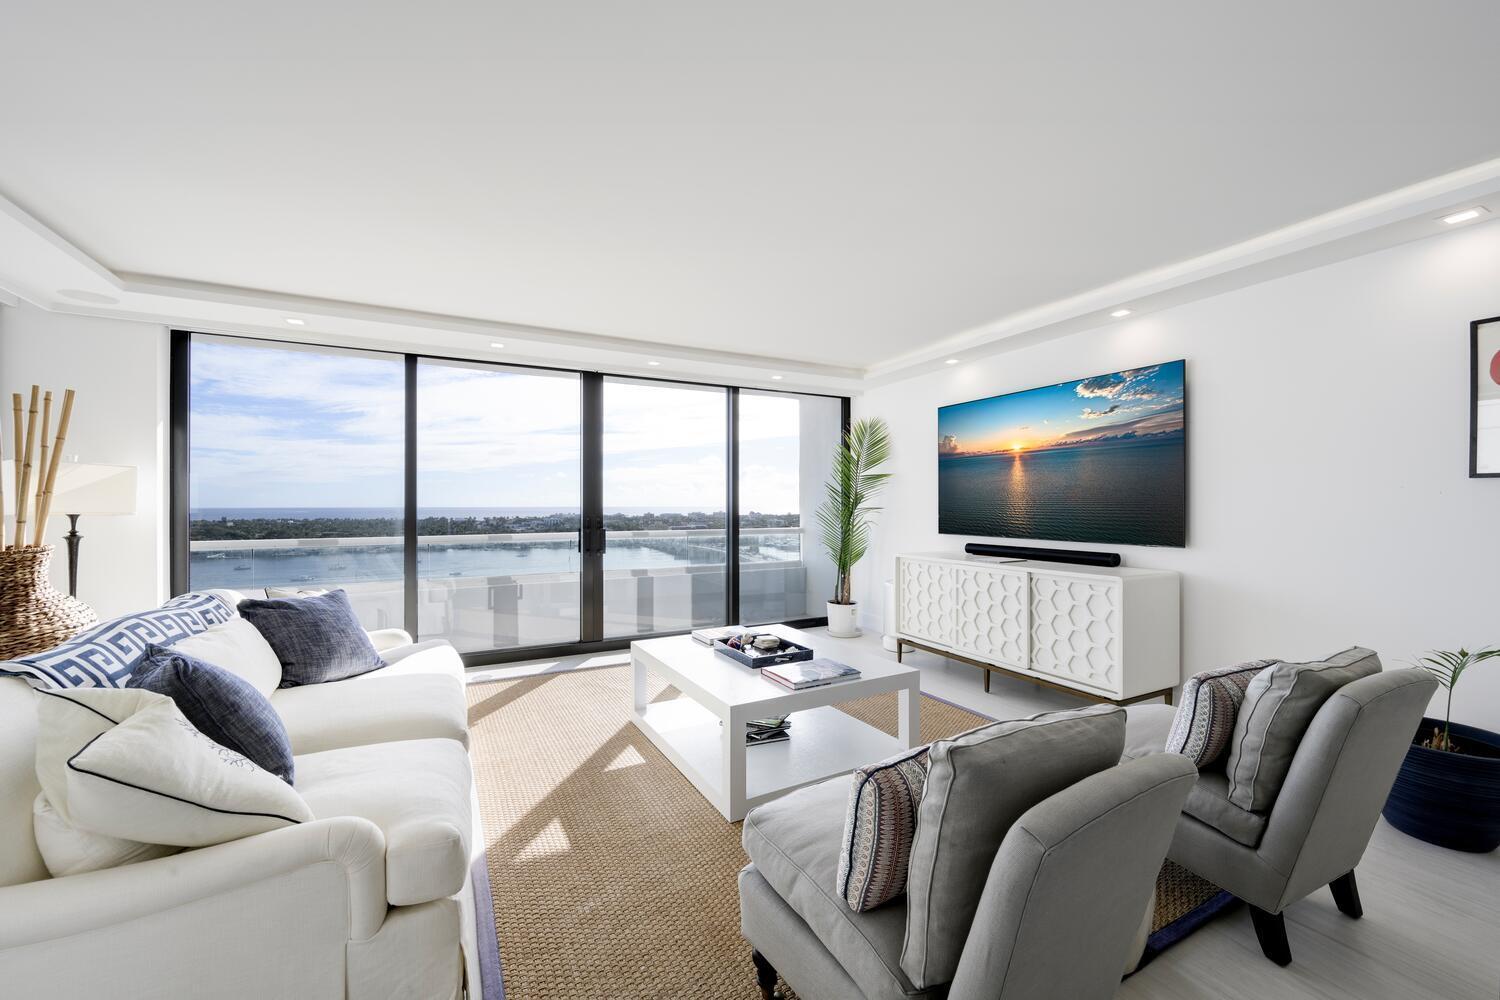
x=491, y=976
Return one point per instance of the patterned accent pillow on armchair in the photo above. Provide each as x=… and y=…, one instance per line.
x=1204, y=723
x=879, y=829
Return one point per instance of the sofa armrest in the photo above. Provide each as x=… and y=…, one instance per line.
x=389, y=638
x=55, y=908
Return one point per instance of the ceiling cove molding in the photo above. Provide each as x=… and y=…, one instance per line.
x=1400, y=216
x=176, y=289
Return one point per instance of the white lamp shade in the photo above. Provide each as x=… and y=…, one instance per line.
x=82, y=489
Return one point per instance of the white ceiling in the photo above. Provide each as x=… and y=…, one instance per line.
x=838, y=184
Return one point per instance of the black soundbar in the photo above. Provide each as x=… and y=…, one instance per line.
x=1045, y=555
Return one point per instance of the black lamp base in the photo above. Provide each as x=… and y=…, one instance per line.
x=73, y=538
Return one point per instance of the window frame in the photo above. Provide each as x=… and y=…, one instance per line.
x=591, y=413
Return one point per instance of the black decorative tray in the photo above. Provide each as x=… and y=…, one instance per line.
x=790, y=652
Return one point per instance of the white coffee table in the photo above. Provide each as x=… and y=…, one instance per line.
x=703, y=732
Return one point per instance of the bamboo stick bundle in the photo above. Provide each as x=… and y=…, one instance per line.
x=15, y=405
x=44, y=501
x=41, y=467
x=25, y=487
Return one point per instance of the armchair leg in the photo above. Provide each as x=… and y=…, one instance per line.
x=765, y=976
x=1346, y=895
x=1270, y=931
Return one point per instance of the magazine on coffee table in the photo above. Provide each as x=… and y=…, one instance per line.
x=809, y=673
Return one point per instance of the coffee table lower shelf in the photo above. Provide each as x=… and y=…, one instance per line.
x=824, y=742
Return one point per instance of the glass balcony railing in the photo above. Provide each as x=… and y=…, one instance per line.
x=506, y=591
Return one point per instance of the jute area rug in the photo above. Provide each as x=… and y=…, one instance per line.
x=612, y=877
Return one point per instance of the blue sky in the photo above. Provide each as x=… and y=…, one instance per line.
x=283, y=427
x=1132, y=403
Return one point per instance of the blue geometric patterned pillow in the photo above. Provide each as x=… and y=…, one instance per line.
x=106, y=654
x=316, y=638
x=220, y=705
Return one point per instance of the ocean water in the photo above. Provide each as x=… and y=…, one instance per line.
x=1129, y=493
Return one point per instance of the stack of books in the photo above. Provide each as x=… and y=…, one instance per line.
x=707, y=636
x=772, y=730
x=809, y=673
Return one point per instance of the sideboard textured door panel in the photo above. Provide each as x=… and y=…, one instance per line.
x=990, y=615
x=927, y=601
x=1075, y=630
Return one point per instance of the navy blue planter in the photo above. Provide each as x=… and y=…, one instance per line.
x=1450, y=799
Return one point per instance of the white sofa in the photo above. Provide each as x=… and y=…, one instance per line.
x=371, y=900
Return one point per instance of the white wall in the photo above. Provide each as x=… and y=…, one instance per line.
x=119, y=418
x=1329, y=499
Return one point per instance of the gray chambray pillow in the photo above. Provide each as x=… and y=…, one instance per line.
x=316, y=638
x=1279, y=705
x=978, y=785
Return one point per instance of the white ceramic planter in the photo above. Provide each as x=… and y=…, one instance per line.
x=843, y=620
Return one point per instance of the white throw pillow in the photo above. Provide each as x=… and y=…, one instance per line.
x=149, y=776
x=69, y=850
x=238, y=647
x=67, y=720
x=156, y=779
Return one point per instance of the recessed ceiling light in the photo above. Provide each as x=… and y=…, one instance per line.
x=654, y=364
x=1119, y=313
x=496, y=343
x=951, y=361
x=296, y=322
x=1466, y=215
x=775, y=378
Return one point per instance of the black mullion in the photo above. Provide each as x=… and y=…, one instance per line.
x=732, y=509
x=409, y=505
x=591, y=516
x=179, y=492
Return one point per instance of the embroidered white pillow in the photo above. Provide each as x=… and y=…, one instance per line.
x=68, y=850
x=156, y=779
x=238, y=647
x=66, y=721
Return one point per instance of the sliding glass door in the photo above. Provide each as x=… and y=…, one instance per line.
x=513, y=511
x=666, y=527
x=498, y=506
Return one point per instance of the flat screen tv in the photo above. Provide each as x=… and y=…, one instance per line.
x=1102, y=459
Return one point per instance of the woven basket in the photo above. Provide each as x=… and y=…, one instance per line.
x=33, y=615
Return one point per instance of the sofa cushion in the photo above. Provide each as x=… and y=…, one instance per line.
x=1209, y=802
x=105, y=655
x=417, y=792
x=434, y=656
x=879, y=827
x=72, y=850
x=220, y=705
x=384, y=709
x=795, y=845
x=1279, y=705
x=238, y=647
x=1210, y=704
x=977, y=785
x=317, y=638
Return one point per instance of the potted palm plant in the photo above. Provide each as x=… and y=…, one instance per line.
x=1448, y=790
x=844, y=516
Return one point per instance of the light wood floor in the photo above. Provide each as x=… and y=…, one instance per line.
x=1431, y=929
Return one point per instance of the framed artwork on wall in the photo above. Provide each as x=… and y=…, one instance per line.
x=1484, y=398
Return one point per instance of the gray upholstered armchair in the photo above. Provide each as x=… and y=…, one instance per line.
x=1053, y=912
x=1320, y=822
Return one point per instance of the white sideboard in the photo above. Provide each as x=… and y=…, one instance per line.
x=1109, y=634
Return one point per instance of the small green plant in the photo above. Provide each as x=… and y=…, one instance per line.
x=1448, y=667
x=844, y=516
